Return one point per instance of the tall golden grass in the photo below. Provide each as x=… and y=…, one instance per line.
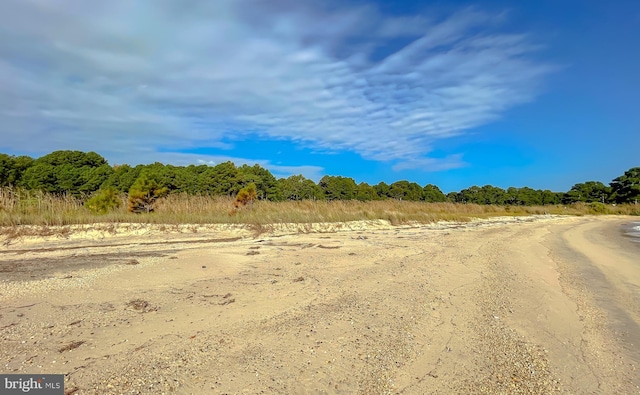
x=25, y=207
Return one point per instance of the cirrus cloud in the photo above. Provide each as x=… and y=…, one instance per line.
x=118, y=76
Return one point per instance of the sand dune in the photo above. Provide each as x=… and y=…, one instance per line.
x=530, y=305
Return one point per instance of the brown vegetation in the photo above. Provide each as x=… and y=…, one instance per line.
x=22, y=207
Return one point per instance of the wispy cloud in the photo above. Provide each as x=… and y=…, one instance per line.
x=125, y=77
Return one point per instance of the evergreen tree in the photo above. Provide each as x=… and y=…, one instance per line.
x=123, y=177
x=405, y=190
x=626, y=188
x=431, y=193
x=298, y=188
x=382, y=190
x=365, y=192
x=71, y=172
x=550, y=198
x=221, y=179
x=12, y=168
x=338, y=188
x=143, y=194
x=266, y=184
x=588, y=192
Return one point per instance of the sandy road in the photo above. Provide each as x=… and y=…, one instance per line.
x=547, y=306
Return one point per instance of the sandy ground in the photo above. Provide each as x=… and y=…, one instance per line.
x=513, y=306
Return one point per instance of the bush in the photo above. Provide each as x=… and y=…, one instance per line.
x=246, y=195
x=597, y=208
x=103, y=201
x=143, y=195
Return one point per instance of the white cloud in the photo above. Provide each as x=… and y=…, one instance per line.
x=126, y=78
x=450, y=162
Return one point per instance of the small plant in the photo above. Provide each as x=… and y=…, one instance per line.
x=103, y=201
x=143, y=195
x=246, y=196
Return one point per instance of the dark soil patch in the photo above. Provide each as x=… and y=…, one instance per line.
x=42, y=268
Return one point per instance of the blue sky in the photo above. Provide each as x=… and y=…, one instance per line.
x=531, y=93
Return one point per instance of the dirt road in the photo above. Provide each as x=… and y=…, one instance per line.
x=550, y=305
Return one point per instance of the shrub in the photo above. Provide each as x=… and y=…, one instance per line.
x=246, y=196
x=597, y=208
x=103, y=201
x=143, y=194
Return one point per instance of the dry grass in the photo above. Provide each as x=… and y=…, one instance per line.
x=21, y=207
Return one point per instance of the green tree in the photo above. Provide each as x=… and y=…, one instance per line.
x=471, y=195
x=75, y=158
x=524, y=196
x=123, y=177
x=221, y=179
x=487, y=194
x=550, y=198
x=529, y=196
x=164, y=175
x=94, y=178
x=6, y=170
x=382, y=190
x=493, y=195
x=69, y=178
x=299, y=188
x=177, y=179
x=104, y=200
x=511, y=196
x=454, y=197
x=143, y=194
x=12, y=168
x=431, y=193
x=588, y=192
x=626, y=188
x=41, y=176
x=187, y=178
x=338, y=188
x=365, y=192
x=266, y=183
x=71, y=172
x=405, y=190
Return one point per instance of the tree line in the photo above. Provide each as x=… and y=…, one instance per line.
x=84, y=174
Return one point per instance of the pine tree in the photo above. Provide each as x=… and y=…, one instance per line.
x=143, y=194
